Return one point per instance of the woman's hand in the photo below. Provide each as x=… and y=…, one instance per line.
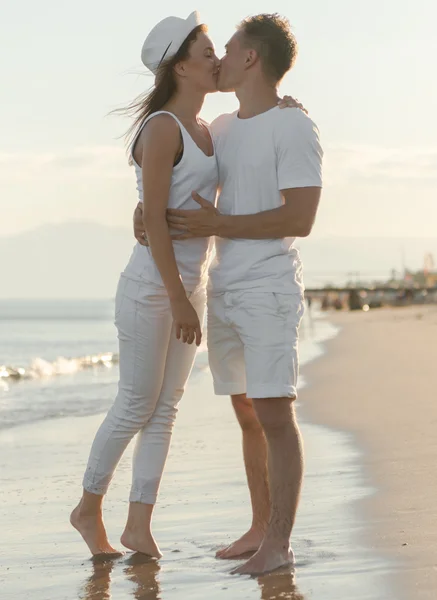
x=139, y=230
x=186, y=321
x=290, y=102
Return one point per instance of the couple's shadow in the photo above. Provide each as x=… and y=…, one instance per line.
x=143, y=572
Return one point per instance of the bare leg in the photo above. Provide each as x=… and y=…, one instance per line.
x=88, y=520
x=255, y=462
x=285, y=466
x=137, y=535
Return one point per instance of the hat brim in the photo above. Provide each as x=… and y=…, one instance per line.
x=186, y=27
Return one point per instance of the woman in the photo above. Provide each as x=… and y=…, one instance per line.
x=161, y=294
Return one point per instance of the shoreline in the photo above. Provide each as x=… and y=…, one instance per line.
x=204, y=504
x=376, y=382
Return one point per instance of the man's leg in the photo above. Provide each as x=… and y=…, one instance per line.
x=226, y=360
x=285, y=468
x=255, y=462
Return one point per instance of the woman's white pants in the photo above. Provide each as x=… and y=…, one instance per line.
x=154, y=368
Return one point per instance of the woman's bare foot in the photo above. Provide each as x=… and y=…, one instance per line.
x=140, y=541
x=249, y=542
x=92, y=529
x=269, y=557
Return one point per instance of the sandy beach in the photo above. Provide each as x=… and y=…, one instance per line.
x=203, y=505
x=378, y=381
x=368, y=420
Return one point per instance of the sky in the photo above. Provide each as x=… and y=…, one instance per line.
x=365, y=72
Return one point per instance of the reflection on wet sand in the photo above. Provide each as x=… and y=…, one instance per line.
x=280, y=585
x=98, y=586
x=138, y=568
x=143, y=573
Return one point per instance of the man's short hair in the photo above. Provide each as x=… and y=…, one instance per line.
x=272, y=38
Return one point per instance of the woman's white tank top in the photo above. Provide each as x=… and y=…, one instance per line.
x=195, y=172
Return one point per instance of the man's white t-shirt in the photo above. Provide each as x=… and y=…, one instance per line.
x=258, y=157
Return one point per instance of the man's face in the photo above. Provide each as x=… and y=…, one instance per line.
x=233, y=64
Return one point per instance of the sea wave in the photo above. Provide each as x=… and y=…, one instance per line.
x=41, y=369
x=44, y=369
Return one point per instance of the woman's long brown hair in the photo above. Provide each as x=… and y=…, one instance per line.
x=165, y=86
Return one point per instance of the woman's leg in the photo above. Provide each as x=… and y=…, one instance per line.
x=87, y=518
x=153, y=442
x=144, y=325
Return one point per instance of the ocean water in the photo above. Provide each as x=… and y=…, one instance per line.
x=59, y=358
x=43, y=350
x=64, y=359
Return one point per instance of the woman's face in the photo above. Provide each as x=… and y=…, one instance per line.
x=201, y=68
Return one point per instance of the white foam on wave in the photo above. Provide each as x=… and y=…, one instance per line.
x=40, y=368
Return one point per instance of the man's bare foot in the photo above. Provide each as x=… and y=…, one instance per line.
x=140, y=542
x=249, y=542
x=92, y=529
x=268, y=558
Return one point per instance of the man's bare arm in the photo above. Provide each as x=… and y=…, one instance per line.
x=294, y=219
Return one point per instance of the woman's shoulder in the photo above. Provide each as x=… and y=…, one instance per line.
x=160, y=125
x=160, y=134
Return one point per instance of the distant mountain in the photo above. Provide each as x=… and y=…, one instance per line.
x=71, y=260
x=84, y=260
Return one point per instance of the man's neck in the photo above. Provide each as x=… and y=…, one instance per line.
x=256, y=97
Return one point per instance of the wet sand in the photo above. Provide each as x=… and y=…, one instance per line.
x=203, y=505
x=378, y=381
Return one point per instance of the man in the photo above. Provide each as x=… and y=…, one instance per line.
x=270, y=186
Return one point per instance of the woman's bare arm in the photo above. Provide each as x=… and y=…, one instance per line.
x=160, y=142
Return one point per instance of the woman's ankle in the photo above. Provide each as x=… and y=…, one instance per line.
x=90, y=505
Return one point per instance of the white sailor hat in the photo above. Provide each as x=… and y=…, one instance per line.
x=166, y=38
